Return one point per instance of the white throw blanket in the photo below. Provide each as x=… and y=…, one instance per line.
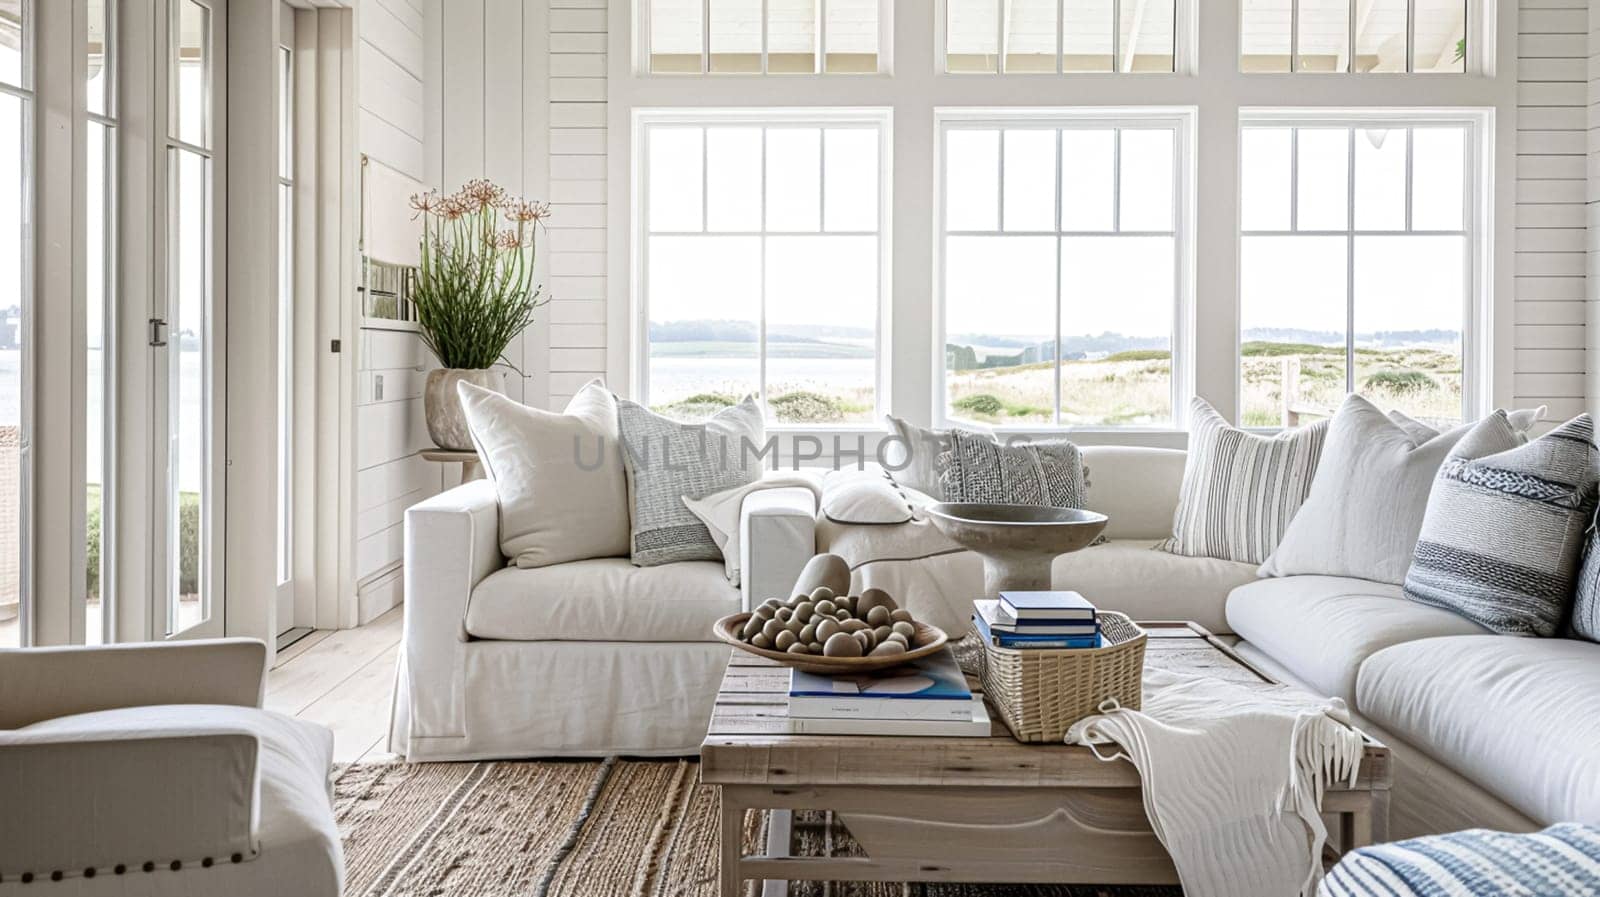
x=1233, y=778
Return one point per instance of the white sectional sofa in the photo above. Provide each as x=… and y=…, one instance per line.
x=601, y=657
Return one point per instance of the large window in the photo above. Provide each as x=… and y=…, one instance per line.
x=1060, y=35
x=763, y=264
x=1062, y=260
x=16, y=198
x=1356, y=267
x=1388, y=36
x=761, y=36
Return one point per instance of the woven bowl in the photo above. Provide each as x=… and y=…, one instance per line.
x=928, y=640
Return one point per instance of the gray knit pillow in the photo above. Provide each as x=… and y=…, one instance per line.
x=667, y=461
x=1503, y=534
x=976, y=468
x=1586, y=601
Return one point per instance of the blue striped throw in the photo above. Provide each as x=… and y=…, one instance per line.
x=1561, y=860
x=1503, y=535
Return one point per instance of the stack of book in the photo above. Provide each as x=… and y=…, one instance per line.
x=1053, y=620
x=925, y=697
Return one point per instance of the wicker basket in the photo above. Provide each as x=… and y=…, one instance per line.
x=1041, y=692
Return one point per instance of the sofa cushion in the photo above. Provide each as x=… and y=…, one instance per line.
x=602, y=600
x=1321, y=628
x=1521, y=717
x=1136, y=486
x=939, y=580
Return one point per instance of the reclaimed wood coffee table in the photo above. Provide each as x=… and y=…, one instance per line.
x=964, y=809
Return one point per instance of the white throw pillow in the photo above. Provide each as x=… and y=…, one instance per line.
x=1365, y=509
x=559, y=478
x=912, y=454
x=864, y=497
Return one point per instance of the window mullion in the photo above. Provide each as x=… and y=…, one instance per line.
x=1058, y=238
x=1116, y=34
x=761, y=326
x=705, y=37
x=1294, y=36
x=1350, y=269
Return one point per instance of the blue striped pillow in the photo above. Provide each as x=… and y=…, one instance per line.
x=1563, y=859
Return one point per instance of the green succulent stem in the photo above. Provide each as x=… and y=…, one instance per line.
x=475, y=292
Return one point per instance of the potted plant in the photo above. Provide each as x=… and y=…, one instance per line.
x=474, y=293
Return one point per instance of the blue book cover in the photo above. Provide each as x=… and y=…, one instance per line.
x=1039, y=606
x=1002, y=623
x=1007, y=640
x=935, y=678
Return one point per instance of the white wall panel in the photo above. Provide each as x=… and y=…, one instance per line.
x=1549, y=335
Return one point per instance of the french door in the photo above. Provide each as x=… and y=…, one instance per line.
x=187, y=331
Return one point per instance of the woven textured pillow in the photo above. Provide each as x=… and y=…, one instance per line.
x=668, y=461
x=1240, y=490
x=1503, y=534
x=1586, y=599
x=912, y=453
x=976, y=468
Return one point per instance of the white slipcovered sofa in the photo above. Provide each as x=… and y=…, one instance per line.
x=587, y=658
x=151, y=769
x=1486, y=730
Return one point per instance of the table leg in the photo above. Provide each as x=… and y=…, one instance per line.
x=732, y=844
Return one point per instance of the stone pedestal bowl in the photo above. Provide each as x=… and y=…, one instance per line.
x=1017, y=542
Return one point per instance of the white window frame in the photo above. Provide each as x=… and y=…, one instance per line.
x=879, y=119
x=1215, y=87
x=1181, y=121
x=1182, y=42
x=641, y=43
x=1476, y=372
x=1480, y=40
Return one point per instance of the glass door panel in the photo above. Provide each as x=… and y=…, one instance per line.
x=188, y=334
x=16, y=172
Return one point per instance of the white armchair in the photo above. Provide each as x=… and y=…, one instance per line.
x=152, y=770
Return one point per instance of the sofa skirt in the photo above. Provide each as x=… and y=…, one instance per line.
x=565, y=699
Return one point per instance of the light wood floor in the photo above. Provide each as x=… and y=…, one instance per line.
x=343, y=679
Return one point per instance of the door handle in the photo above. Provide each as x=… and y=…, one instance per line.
x=158, y=332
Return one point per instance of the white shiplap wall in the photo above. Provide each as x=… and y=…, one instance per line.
x=520, y=99
x=1592, y=207
x=389, y=427
x=1552, y=237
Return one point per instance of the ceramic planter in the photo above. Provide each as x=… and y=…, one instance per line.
x=446, y=422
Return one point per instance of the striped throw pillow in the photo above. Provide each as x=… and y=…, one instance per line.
x=1586, y=601
x=1503, y=535
x=1240, y=490
x=1562, y=859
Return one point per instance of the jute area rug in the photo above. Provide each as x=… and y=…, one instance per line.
x=577, y=829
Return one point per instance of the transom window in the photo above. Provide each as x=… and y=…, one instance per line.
x=1062, y=251
x=1387, y=36
x=991, y=36
x=763, y=264
x=762, y=36
x=1357, y=265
